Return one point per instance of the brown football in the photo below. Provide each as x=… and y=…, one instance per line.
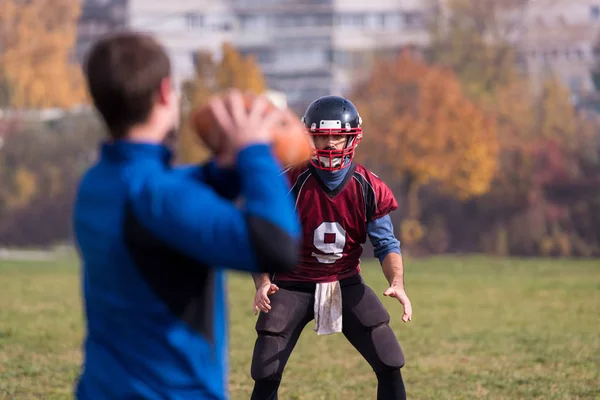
x=291, y=143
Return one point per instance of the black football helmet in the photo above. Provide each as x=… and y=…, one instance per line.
x=333, y=115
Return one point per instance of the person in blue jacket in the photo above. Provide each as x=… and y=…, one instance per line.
x=155, y=239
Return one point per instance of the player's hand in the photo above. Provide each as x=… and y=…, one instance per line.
x=261, y=299
x=402, y=297
x=243, y=127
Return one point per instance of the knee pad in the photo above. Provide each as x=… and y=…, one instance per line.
x=361, y=302
x=265, y=360
x=387, y=347
x=363, y=306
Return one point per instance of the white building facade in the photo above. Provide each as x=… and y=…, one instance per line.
x=558, y=40
x=306, y=48
x=310, y=48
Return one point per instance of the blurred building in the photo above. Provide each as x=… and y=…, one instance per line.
x=306, y=48
x=98, y=17
x=182, y=26
x=310, y=48
x=557, y=39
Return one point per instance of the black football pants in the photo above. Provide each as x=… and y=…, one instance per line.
x=365, y=323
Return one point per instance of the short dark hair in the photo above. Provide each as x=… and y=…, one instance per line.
x=124, y=71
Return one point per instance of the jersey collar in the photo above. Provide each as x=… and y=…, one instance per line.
x=124, y=150
x=349, y=173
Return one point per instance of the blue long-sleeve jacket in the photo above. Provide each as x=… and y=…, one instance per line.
x=154, y=242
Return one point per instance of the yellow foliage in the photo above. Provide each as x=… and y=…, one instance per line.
x=236, y=71
x=233, y=71
x=556, y=113
x=426, y=129
x=470, y=38
x=557, y=243
x=36, y=40
x=411, y=231
x=54, y=181
x=513, y=107
x=523, y=122
x=230, y=71
x=546, y=245
x=255, y=80
x=502, y=247
x=25, y=188
x=195, y=93
x=563, y=244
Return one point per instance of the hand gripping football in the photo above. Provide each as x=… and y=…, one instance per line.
x=291, y=143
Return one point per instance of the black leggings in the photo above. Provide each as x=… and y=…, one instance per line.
x=365, y=323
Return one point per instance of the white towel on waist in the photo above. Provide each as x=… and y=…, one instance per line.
x=328, y=308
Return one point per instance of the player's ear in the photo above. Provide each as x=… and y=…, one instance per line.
x=165, y=91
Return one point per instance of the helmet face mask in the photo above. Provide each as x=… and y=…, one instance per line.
x=333, y=116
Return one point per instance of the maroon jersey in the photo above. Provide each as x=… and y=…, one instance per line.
x=334, y=222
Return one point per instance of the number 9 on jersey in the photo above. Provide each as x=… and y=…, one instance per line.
x=330, y=239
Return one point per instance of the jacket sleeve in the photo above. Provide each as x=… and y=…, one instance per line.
x=224, y=181
x=190, y=216
x=381, y=235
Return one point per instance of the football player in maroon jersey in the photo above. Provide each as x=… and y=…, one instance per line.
x=340, y=204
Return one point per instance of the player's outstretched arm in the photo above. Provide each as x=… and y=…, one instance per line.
x=393, y=269
x=387, y=249
x=192, y=218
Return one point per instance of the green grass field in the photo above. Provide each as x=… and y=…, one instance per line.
x=482, y=328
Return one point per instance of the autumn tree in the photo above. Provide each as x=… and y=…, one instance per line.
x=195, y=92
x=233, y=71
x=40, y=166
x=237, y=71
x=565, y=148
x=542, y=142
x=36, y=41
x=419, y=121
x=475, y=38
x=512, y=109
x=556, y=115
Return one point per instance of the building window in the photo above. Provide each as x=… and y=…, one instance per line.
x=324, y=20
x=218, y=22
x=575, y=83
x=595, y=13
x=253, y=22
x=393, y=21
x=350, y=20
x=378, y=20
x=414, y=20
x=262, y=55
x=341, y=58
x=194, y=20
